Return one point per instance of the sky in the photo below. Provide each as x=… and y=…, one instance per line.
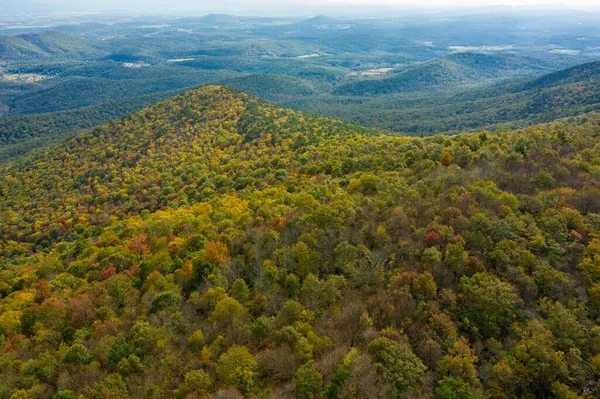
x=246, y=6
x=474, y=3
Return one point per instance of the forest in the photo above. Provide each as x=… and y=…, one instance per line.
x=215, y=245
x=416, y=74
x=21, y=134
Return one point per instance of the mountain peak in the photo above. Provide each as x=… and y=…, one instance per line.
x=318, y=20
x=169, y=148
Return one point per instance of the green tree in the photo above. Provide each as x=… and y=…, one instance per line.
x=130, y=365
x=20, y=394
x=456, y=257
x=195, y=381
x=424, y=287
x=112, y=386
x=239, y=290
x=66, y=394
x=78, y=354
x=292, y=285
x=308, y=381
x=455, y=388
x=459, y=366
x=488, y=303
x=539, y=363
x=237, y=367
x=196, y=341
x=230, y=317
x=400, y=367
x=120, y=349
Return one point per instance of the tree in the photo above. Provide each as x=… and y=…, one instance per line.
x=120, y=349
x=113, y=386
x=215, y=252
x=66, y=394
x=539, y=363
x=431, y=257
x=459, y=367
x=292, y=285
x=446, y=159
x=544, y=180
x=20, y=394
x=456, y=257
x=195, y=381
x=343, y=373
x=454, y=388
x=165, y=301
x=564, y=326
x=237, y=367
x=239, y=290
x=308, y=381
x=488, y=303
x=318, y=295
x=78, y=355
x=424, y=287
x=130, y=365
x=230, y=317
x=401, y=368
x=196, y=341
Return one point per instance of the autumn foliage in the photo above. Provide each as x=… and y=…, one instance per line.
x=214, y=245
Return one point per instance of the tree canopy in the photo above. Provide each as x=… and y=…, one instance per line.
x=214, y=244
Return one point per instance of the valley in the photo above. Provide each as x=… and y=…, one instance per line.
x=395, y=83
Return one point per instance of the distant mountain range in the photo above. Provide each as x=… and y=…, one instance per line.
x=461, y=69
x=507, y=103
x=46, y=45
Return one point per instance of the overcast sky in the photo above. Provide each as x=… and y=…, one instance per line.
x=471, y=3
x=233, y=6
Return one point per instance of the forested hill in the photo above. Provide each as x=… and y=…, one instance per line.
x=577, y=74
x=176, y=152
x=46, y=45
x=215, y=245
x=21, y=134
x=511, y=104
x=461, y=69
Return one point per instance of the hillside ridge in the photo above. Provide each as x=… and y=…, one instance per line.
x=46, y=45
x=216, y=245
x=463, y=68
x=192, y=123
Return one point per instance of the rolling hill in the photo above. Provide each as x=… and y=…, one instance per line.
x=566, y=93
x=18, y=47
x=22, y=134
x=464, y=69
x=216, y=245
x=81, y=100
x=169, y=130
x=276, y=88
x=576, y=74
x=46, y=45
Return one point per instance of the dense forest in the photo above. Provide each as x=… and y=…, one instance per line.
x=463, y=69
x=408, y=74
x=511, y=104
x=215, y=245
x=436, y=108
x=23, y=133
